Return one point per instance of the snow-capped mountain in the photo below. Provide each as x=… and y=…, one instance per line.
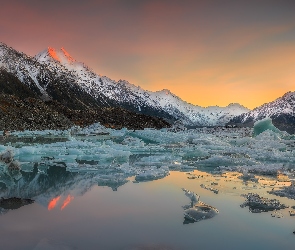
x=55, y=74
x=281, y=110
x=43, y=82
x=134, y=97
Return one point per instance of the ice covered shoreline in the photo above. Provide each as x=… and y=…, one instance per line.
x=43, y=165
x=150, y=153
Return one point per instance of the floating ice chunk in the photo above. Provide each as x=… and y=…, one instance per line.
x=152, y=173
x=199, y=212
x=214, y=190
x=259, y=204
x=288, y=192
x=196, y=154
x=263, y=125
x=94, y=129
x=161, y=136
x=262, y=169
x=248, y=177
x=241, y=141
x=6, y=156
x=133, y=141
x=192, y=196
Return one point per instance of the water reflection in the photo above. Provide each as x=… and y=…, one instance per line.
x=48, y=187
x=197, y=210
x=7, y=204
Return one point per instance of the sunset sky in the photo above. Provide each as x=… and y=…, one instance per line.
x=207, y=52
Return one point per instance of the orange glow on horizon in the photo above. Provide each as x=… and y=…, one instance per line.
x=67, y=201
x=53, y=203
x=208, y=55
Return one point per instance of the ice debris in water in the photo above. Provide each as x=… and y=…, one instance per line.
x=288, y=192
x=6, y=156
x=192, y=196
x=214, y=190
x=91, y=130
x=197, y=210
x=259, y=204
x=263, y=125
x=152, y=173
x=148, y=154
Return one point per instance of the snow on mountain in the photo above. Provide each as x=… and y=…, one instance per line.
x=282, y=105
x=28, y=71
x=55, y=74
x=45, y=81
x=281, y=111
x=127, y=94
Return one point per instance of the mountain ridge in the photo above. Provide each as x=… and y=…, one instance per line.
x=281, y=111
x=55, y=75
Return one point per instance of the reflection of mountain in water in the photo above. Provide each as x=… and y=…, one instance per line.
x=55, y=183
x=13, y=203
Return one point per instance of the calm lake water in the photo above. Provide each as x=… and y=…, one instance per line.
x=90, y=189
x=75, y=213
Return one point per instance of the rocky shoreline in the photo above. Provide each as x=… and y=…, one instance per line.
x=34, y=114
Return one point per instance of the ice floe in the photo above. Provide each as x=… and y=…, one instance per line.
x=197, y=210
x=258, y=204
x=109, y=157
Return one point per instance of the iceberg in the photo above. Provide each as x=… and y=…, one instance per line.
x=263, y=125
x=258, y=204
x=197, y=210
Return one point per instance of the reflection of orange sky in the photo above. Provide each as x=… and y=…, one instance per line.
x=67, y=201
x=208, y=54
x=53, y=203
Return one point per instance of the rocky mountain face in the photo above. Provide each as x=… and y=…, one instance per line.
x=28, y=90
x=281, y=110
x=160, y=103
x=53, y=75
x=33, y=114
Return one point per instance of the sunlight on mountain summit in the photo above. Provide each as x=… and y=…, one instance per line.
x=53, y=54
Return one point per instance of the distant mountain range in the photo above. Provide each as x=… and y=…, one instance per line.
x=281, y=110
x=69, y=87
x=54, y=75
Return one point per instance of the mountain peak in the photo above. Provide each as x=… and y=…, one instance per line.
x=53, y=54
x=237, y=105
x=165, y=91
x=61, y=56
x=67, y=55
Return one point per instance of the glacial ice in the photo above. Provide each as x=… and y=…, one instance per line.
x=263, y=125
x=197, y=210
x=258, y=204
x=34, y=161
x=150, y=154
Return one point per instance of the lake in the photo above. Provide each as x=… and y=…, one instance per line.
x=86, y=197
